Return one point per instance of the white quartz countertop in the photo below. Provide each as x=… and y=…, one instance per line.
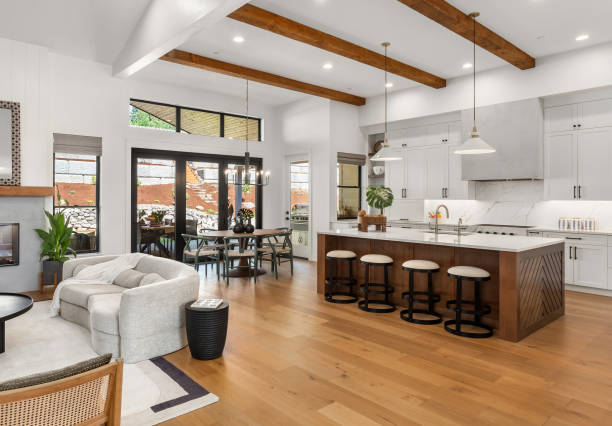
x=477, y=241
x=572, y=231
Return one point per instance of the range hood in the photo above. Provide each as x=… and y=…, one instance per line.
x=516, y=131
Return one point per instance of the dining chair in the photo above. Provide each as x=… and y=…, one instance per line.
x=278, y=249
x=244, y=252
x=201, y=250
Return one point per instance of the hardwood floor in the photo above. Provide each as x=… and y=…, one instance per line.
x=292, y=358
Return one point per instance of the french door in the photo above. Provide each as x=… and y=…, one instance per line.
x=175, y=193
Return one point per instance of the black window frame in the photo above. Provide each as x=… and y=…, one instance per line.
x=222, y=115
x=359, y=184
x=97, y=249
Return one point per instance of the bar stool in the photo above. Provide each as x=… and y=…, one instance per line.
x=386, y=289
x=427, y=267
x=332, y=281
x=478, y=276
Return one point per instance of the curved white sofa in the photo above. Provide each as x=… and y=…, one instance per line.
x=137, y=323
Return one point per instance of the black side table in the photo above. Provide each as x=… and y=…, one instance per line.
x=206, y=330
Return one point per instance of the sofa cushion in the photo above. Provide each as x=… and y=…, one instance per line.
x=151, y=278
x=78, y=269
x=78, y=294
x=129, y=278
x=104, y=313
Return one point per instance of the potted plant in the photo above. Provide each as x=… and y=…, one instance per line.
x=379, y=197
x=55, y=245
x=247, y=215
x=156, y=217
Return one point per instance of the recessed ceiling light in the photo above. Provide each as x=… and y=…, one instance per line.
x=582, y=37
x=238, y=39
x=328, y=65
x=389, y=84
x=467, y=65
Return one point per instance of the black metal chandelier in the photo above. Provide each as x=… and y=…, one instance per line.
x=247, y=174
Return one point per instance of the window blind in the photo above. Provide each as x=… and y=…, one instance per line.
x=347, y=158
x=76, y=144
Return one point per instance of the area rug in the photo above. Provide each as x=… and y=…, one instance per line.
x=153, y=391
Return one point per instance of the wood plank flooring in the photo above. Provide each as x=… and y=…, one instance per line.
x=292, y=358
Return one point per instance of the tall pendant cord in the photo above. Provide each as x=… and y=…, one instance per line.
x=386, y=121
x=474, y=68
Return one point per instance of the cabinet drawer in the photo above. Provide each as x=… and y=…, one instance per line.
x=597, y=240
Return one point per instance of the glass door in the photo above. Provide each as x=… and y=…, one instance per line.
x=156, y=206
x=201, y=197
x=299, y=205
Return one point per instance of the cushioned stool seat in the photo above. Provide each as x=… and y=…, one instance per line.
x=467, y=272
x=341, y=254
x=379, y=259
x=420, y=265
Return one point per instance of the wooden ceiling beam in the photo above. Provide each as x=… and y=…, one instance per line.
x=455, y=20
x=277, y=24
x=209, y=64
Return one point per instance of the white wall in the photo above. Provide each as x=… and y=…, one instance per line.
x=566, y=72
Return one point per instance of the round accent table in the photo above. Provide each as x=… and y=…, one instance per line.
x=12, y=305
x=206, y=330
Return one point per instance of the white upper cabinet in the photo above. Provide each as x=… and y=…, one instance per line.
x=595, y=114
x=436, y=180
x=394, y=174
x=561, y=118
x=561, y=179
x=415, y=166
x=578, y=151
x=595, y=164
x=579, y=116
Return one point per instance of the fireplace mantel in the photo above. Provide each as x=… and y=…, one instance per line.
x=26, y=191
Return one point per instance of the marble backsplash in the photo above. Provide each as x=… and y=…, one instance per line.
x=520, y=203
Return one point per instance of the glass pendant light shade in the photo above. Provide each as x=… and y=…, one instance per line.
x=474, y=144
x=386, y=153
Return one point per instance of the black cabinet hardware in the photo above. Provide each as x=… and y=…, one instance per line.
x=573, y=238
x=574, y=191
x=579, y=191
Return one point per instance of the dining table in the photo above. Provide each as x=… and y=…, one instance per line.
x=259, y=234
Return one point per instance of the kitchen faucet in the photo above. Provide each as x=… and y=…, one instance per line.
x=437, y=212
x=459, y=223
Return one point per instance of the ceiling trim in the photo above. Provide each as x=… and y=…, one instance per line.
x=277, y=24
x=455, y=20
x=214, y=65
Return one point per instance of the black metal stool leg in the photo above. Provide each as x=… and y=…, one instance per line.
x=411, y=296
x=386, y=269
x=458, y=311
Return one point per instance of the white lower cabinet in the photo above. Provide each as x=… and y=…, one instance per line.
x=586, y=259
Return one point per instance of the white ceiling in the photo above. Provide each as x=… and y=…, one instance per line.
x=98, y=29
x=95, y=30
x=540, y=27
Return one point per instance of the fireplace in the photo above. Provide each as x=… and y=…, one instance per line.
x=9, y=244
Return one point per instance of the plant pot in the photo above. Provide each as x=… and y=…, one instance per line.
x=249, y=228
x=238, y=228
x=50, y=268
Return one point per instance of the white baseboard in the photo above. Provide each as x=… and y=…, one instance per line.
x=590, y=290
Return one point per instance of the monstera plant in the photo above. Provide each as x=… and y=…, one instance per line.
x=379, y=197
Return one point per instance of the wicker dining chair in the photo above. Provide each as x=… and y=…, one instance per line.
x=89, y=398
x=201, y=250
x=278, y=249
x=245, y=250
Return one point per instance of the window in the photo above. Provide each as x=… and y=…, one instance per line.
x=76, y=180
x=192, y=120
x=349, y=191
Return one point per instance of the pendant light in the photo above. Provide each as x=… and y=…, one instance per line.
x=385, y=153
x=241, y=175
x=474, y=144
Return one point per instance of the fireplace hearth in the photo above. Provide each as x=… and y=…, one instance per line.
x=9, y=244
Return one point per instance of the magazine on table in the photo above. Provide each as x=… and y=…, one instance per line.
x=207, y=303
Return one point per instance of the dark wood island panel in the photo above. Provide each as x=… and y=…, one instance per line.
x=526, y=290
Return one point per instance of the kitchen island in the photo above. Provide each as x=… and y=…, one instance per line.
x=526, y=290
